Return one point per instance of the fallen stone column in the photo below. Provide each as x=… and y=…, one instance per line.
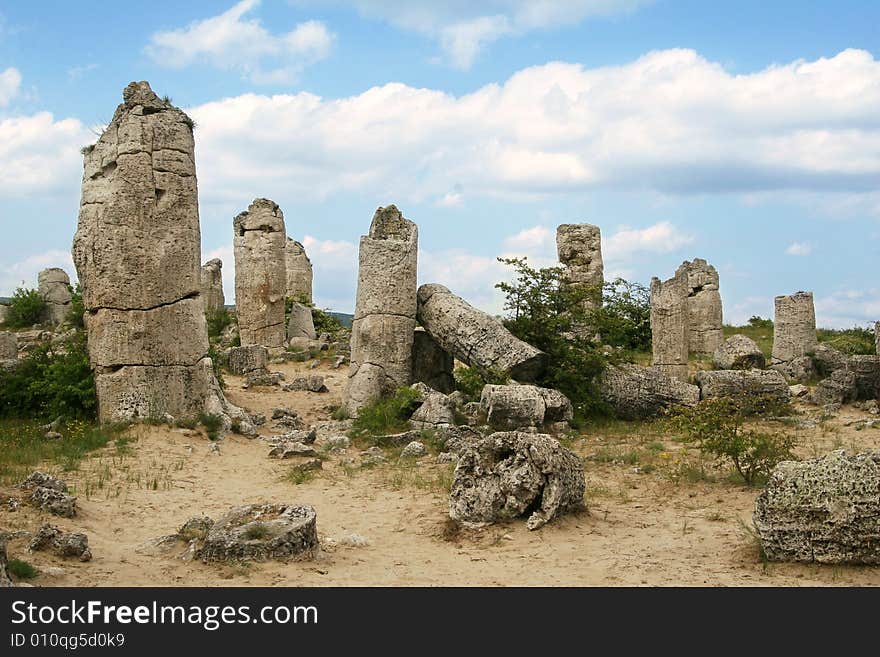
x=735, y=383
x=704, y=310
x=212, y=286
x=635, y=392
x=794, y=327
x=54, y=286
x=385, y=309
x=476, y=338
x=669, y=325
x=298, y=271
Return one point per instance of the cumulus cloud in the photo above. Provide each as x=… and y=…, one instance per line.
x=233, y=42
x=848, y=308
x=799, y=249
x=464, y=28
x=662, y=237
x=24, y=272
x=10, y=85
x=670, y=122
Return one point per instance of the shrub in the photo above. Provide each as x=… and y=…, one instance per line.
x=212, y=423
x=469, y=381
x=77, y=308
x=52, y=380
x=624, y=318
x=385, y=416
x=21, y=569
x=760, y=323
x=717, y=427
x=217, y=321
x=856, y=340
x=325, y=322
x=25, y=309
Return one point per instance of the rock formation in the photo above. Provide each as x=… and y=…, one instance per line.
x=385, y=309
x=260, y=274
x=635, y=392
x=476, y=338
x=738, y=352
x=298, y=270
x=794, y=327
x=300, y=324
x=136, y=251
x=54, y=287
x=734, y=383
x=212, y=286
x=579, y=247
x=253, y=358
x=262, y=531
x=669, y=325
x=518, y=406
x=8, y=345
x=431, y=363
x=824, y=510
x=703, y=306
x=510, y=474
x=5, y=579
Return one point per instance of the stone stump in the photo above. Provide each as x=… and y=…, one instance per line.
x=54, y=286
x=669, y=325
x=298, y=270
x=794, y=327
x=212, y=286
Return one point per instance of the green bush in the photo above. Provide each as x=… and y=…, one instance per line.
x=21, y=569
x=25, y=309
x=325, y=322
x=52, y=380
x=470, y=381
x=624, y=318
x=212, y=423
x=217, y=321
x=385, y=416
x=77, y=309
x=550, y=315
x=717, y=427
x=760, y=323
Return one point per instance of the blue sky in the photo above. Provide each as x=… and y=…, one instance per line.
x=745, y=133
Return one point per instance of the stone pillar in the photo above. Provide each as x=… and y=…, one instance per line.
x=794, y=327
x=260, y=274
x=669, y=325
x=579, y=247
x=299, y=271
x=877, y=338
x=432, y=364
x=54, y=287
x=212, y=286
x=385, y=309
x=300, y=324
x=137, y=252
x=476, y=338
x=705, y=334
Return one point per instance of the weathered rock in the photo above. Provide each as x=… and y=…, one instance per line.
x=738, y=352
x=476, y=338
x=432, y=364
x=136, y=252
x=385, y=309
x=8, y=345
x=824, y=510
x=286, y=450
x=635, y=392
x=48, y=493
x=509, y=474
x=436, y=409
x=196, y=527
x=579, y=248
x=669, y=325
x=518, y=406
x=54, y=286
x=64, y=544
x=312, y=383
x=337, y=442
x=263, y=378
x=260, y=274
x=414, y=450
x=252, y=358
x=866, y=369
x=300, y=324
x=839, y=388
x=260, y=532
x=212, y=286
x=798, y=391
x=298, y=271
x=5, y=579
x=797, y=369
x=704, y=310
x=827, y=359
x=794, y=327
x=735, y=383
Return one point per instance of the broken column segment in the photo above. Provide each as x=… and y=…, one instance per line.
x=705, y=334
x=432, y=364
x=669, y=325
x=299, y=272
x=212, y=286
x=475, y=338
x=579, y=247
x=260, y=274
x=794, y=327
x=136, y=251
x=54, y=286
x=385, y=309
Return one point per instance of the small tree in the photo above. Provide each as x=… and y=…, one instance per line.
x=77, y=309
x=26, y=308
x=624, y=318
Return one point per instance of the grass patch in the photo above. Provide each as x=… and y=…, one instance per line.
x=386, y=416
x=22, y=569
x=212, y=424
x=297, y=475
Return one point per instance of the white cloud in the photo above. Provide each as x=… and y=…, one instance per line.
x=799, y=249
x=24, y=272
x=670, y=121
x=10, y=85
x=464, y=28
x=848, y=308
x=233, y=42
x=77, y=72
x=662, y=237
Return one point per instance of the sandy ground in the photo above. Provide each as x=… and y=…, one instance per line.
x=638, y=529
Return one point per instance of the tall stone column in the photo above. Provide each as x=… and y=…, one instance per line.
x=794, y=327
x=705, y=333
x=137, y=252
x=669, y=325
x=212, y=286
x=385, y=309
x=579, y=247
x=299, y=271
x=260, y=274
x=54, y=286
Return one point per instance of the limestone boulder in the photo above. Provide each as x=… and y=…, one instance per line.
x=259, y=532
x=54, y=286
x=436, y=409
x=798, y=369
x=252, y=358
x=64, y=544
x=518, y=406
x=738, y=352
x=794, y=327
x=736, y=383
x=866, y=369
x=507, y=475
x=824, y=510
x=635, y=392
x=8, y=345
x=300, y=323
x=839, y=388
x=827, y=360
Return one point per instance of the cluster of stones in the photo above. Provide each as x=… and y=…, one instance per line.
x=49, y=494
x=686, y=317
